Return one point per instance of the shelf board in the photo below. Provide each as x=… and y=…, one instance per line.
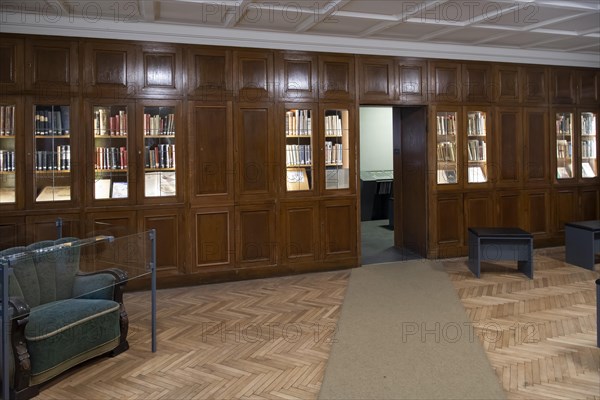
x=159, y=136
x=52, y=136
x=53, y=171
x=110, y=136
x=7, y=172
x=299, y=136
x=7, y=136
x=300, y=165
x=108, y=170
x=158, y=169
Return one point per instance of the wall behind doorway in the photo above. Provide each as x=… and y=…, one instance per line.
x=376, y=139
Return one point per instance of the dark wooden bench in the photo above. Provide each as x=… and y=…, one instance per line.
x=495, y=244
x=582, y=243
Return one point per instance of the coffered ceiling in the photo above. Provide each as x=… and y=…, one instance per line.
x=559, y=32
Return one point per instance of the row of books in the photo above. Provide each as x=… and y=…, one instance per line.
x=7, y=161
x=334, y=153
x=159, y=125
x=588, y=148
x=298, y=122
x=564, y=125
x=107, y=124
x=476, y=124
x=563, y=149
x=160, y=156
x=476, y=150
x=446, y=151
x=445, y=176
x=298, y=154
x=111, y=158
x=59, y=160
x=476, y=175
x=53, y=121
x=333, y=125
x=7, y=120
x=588, y=124
x=587, y=170
x=446, y=124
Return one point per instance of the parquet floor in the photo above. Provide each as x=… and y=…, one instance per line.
x=270, y=338
x=539, y=334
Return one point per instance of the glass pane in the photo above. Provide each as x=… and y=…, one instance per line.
x=446, y=148
x=564, y=145
x=337, y=152
x=476, y=146
x=110, y=143
x=159, y=151
x=298, y=149
x=589, y=158
x=52, y=157
x=7, y=154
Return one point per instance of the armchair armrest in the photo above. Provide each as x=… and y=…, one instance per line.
x=20, y=364
x=17, y=308
x=105, y=284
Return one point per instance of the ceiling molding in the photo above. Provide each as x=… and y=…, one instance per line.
x=178, y=33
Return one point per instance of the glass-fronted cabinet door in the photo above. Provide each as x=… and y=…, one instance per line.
x=447, y=156
x=160, y=150
x=477, y=135
x=589, y=145
x=53, y=157
x=8, y=153
x=564, y=145
x=336, y=147
x=299, y=160
x=111, y=142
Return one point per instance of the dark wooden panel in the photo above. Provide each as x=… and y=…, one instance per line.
x=376, y=79
x=589, y=200
x=256, y=242
x=565, y=208
x=339, y=228
x=535, y=86
x=445, y=81
x=254, y=71
x=536, y=146
x=110, y=69
x=508, y=205
x=336, y=77
x=562, y=86
x=411, y=81
x=507, y=168
x=114, y=223
x=507, y=83
x=210, y=74
x=300, y=224
x=51, y=65
x=11, y=67
x=12, y=232
x=297, y=76
x=537, y=206
x=479, y=211
x=161, y=70
x=211, y=151
x=52, y=227
x=167, y=225
x=213, y=238
x=255, y=152
x=588, y=84
x=477, y=82
x=449, y=220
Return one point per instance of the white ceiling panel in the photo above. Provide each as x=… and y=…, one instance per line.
x=586, y=23
x=520, y=39
x=570, y=43
x=342, y=25
x=531, y=15
x=470, y=35
x=409, y=30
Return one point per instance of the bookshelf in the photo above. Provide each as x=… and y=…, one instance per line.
x=589, y=147
x=52, y=156
x=446, y=150
x=8, y=159
x=299, y=149
x=476, y=146
x=564, y=145
x=159, y=133
x=336, y=149
x=111, y=159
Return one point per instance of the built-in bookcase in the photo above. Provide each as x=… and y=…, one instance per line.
x=8, y=160
x=564, y=145
x=476, y=146
x=447, y=154
x=589, y=145
x=52, y=155
x=111, y=159
x=336, y=148
x=299, y=149
x=159, y=133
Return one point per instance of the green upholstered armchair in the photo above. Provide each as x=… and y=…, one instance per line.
x=60, y=316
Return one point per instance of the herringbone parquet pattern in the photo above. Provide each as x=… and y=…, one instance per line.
x=258, y=339
x=539, y=334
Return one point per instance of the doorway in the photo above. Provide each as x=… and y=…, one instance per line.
x=393, y=183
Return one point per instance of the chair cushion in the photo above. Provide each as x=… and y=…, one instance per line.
x=62, y=330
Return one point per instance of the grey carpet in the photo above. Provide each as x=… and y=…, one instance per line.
x=403, y=334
